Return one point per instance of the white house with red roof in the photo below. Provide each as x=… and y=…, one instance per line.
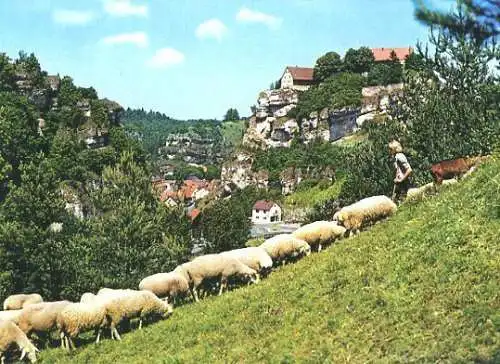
x=297, y=78
x=266, y=212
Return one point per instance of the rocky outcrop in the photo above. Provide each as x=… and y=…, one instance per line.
x=270, y=126
x=192, y=148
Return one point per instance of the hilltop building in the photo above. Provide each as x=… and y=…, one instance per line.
x=297, y=78
x=384, y=54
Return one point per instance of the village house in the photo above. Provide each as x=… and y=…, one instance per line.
x=384, y=54
x=266, y=212
x=297, y=78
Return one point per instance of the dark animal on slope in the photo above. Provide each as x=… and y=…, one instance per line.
x=453, y=168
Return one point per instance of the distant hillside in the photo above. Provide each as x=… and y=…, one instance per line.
x=421, y=287
x=197, y=141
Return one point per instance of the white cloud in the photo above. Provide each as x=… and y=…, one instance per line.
x=72, y=17
x=251, y=16
x=140, y=39
x=166, y=57
x=124, y=8
x=212, y=28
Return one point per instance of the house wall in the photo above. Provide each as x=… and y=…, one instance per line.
x=287, y=80
x=301, y=87
x=266, y=217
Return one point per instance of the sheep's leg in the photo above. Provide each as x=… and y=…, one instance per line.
x=61, y=336
x=194, y=294
x=116, y=334
x=319, y=248
x=140, y=323
x=72, y=343
x=98, y=335
x=3, y=358
x=221, y=288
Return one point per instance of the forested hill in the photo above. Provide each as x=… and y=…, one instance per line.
x=154, y=128
x=76, y=207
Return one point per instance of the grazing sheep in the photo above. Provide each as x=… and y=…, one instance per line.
x=18, y=301
x=88, y=297
x=10, y=334
x=12, y=315
x=41, y=318
x=319, y=233
x=367, y=210
x=133, y=304
x=418, y=192
x=166, y=285
x=284, y=247
x=253, y=257
x=80, y=317
x=215, y=267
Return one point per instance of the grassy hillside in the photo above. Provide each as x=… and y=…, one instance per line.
x=232, y=132
x=313, y=196
x=421, y=287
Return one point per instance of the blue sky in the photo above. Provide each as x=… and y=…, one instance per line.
x=195, y=58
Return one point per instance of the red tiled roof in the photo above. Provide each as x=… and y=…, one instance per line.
x=165, y=195
x=384, y=54
x=301, y=73
x=265, y=205
x=193, y=214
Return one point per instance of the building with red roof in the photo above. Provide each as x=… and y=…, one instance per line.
x=384, y=54
x=266, y=212
x=297, y=78
x=193, y=214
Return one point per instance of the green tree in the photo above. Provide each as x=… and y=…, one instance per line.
x=220, y=235
x=137, y=235
x=339, y=91
x=482, y=22
x=99, y=115
x=19, y=138
x=68, y=93
x=327, y=65
x=232, y=115
x=34, y=252
x=415, y=62
x=358, y=60
x=7, y=73
x=386, y=72
x=30, y=65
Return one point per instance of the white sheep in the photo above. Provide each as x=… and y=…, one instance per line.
x=284, y=247
x=41, y=318
x=416, y=193
x=11, y=335
x=88, y=297
x=319, y=233
x=129, y=304
x=367, y=210
x=253, y=257
x=215, y=267
x=18, y=301
x=166, y=285
x=79, y=317
x=11, y=315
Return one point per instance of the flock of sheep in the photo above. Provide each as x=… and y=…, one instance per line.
x=27, y=314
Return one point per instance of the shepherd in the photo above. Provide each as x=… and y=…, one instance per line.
x=402, y=181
